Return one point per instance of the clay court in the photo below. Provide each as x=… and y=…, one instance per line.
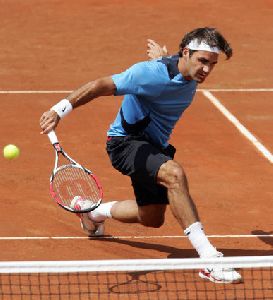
x=50, y=48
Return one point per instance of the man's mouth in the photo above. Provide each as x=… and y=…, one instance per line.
x=202, y=75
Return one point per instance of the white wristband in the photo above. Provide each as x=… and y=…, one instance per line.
x=62, y=108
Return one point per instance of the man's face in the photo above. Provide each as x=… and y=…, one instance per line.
x=199, y=65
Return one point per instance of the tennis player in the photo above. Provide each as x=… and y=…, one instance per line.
x=156, y=93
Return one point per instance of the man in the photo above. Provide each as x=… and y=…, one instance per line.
x=156, y=93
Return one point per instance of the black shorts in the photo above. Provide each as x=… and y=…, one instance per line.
x=138, y=158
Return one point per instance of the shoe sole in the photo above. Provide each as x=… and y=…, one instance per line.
x=212, y=279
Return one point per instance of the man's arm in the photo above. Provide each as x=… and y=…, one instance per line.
x=94, y=89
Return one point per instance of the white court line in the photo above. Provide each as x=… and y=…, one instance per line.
x=14, y=238
x=261, y=148
x=35, y=92
x=238, y=90
x=198, y=90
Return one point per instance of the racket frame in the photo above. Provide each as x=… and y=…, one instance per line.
x=59, y=150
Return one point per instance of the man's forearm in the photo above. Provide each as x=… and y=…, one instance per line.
x=93, y=89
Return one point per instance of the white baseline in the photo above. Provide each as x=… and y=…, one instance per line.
x=128, y=237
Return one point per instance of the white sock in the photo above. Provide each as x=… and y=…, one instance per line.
x=199, y=240
x=102, y=212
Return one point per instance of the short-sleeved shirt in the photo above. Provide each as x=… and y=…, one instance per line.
x=156, y=95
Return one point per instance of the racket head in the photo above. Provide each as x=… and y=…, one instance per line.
x=72, y=181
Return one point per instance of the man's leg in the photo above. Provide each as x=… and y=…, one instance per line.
x=149, y=215
x=172, y=176
x=127, y=211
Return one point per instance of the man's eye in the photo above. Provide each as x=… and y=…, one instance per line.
x=203, y=61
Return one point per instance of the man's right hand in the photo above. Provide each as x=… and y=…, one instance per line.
x=48, y=121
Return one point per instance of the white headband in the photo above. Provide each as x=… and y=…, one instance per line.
x=195, y=45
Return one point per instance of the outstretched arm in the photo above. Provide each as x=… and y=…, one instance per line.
x=154, y=50
x=94, y=89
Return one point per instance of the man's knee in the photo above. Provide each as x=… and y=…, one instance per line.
x=170, y=174
x=152, y=215
x=150, y=222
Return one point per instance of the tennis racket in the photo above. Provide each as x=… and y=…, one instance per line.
x=71, y=181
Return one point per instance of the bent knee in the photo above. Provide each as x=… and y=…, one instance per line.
x=152, y=215
x=152, y=223
x=170, y=173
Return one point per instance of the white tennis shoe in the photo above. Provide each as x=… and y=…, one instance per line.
x=89, y=226
x=220, y=275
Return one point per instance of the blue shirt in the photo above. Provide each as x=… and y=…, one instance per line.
x=156, y=95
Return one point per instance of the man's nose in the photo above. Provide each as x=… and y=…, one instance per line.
x=206, y=69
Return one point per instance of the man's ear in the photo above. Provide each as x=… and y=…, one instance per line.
x=186, y=52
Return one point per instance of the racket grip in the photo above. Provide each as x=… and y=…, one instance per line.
x=53, y=137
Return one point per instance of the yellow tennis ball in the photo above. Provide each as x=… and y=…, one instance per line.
x=11, y=151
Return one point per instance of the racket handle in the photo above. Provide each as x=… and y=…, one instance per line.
x=53, y=137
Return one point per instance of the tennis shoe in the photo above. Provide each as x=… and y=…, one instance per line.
x=89, y=226
x=220, y=275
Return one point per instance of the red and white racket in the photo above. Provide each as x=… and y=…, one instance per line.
x=71, y=181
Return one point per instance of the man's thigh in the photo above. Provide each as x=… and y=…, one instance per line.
x=138, y=158
x=134, y=156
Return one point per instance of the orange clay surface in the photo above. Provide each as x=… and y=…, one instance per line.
x=56, y=46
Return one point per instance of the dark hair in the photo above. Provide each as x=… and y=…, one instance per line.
x=210, y=36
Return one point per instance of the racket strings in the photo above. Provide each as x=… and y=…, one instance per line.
x=71, y=182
